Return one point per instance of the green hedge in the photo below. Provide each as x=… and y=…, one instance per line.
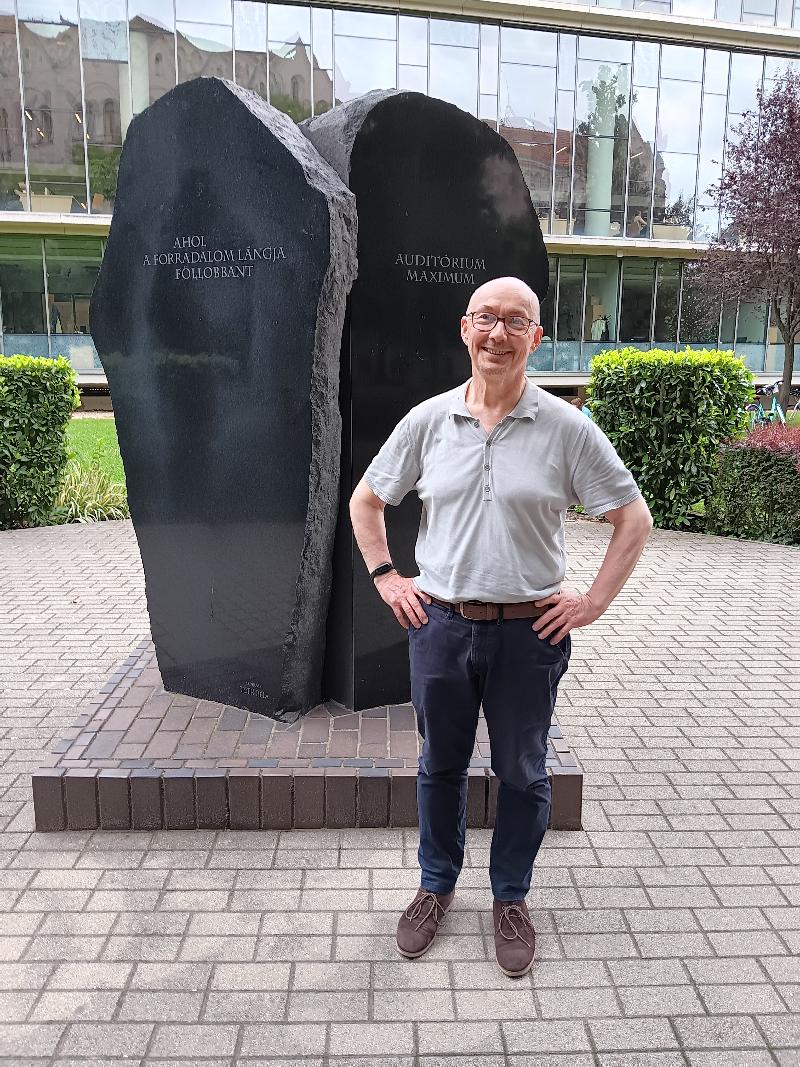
x=666, y=414
x=757, y=487
x=37, y=398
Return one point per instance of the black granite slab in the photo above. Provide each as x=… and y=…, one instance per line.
x=217, y=315
x=442, y=207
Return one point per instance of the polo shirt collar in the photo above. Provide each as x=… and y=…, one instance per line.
x=527, y=406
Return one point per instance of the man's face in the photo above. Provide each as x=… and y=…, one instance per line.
x=500, y=352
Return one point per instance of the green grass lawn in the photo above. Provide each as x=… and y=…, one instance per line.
x=95, y=441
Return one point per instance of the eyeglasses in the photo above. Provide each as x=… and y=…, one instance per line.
x=485, y=321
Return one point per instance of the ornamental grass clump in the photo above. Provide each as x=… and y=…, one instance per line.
x=667, y=413
x=87, y=494
x=757, y=487
x=37, y=398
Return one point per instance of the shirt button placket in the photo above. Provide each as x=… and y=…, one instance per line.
x=487, y=488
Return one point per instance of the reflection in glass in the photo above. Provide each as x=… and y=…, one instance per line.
x=415, y=80
x=751, y=330
x=54, y=120
x=637, y=300
x=542, y=358
x=706, y=222
x=288, y=24
x=600, y=316
x=53, y=11
x=699, y=324
x=600, y=148
x=250, y=42
x=665, y=327
x=204, y=50
x=322, y=27
x=72, y=266
x=645, y=63
x=107, y=91
x=454, y=76
x=151, y=37
x=211, y=11
x=698, y=9
x=366, y=24
x=569, y=321
x=640, y=165
x=751, y=326
x=488, y=109
x=677, y=116
x=22, y=295
x=567, y=49
x=413, y=40
x=674, y=196
x=745, y=78
x=290, y=79
x=13, y=189
x=445, y=31
x=715, y=79
x=727, y=329
x=527, y=98
x=562, y=179
x=604, y=49
x=528, y=46
x=758, y=12
x=682, y=62
x=489, y=59
x=729, y=10
x=363, y=65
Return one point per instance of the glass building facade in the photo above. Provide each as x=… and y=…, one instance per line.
x=619, y=141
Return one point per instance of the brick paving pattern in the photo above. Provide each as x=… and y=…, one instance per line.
x=669, y=927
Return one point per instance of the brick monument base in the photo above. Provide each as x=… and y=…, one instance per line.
x=140, y=758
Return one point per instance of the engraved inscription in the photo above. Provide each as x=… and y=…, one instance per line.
x=426, y=267
x=192, y=260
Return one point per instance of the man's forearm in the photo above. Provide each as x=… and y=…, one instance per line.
x=623, y=552
x=369, y=528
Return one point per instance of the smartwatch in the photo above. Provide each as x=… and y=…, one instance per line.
x=383, y=569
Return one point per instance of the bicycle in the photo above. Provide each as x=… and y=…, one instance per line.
x=760, y=417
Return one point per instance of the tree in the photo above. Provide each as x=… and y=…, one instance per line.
x=757, y=255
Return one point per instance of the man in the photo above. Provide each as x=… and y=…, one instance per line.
x=495, y=462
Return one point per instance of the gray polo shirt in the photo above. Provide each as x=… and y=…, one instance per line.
x=493, y=506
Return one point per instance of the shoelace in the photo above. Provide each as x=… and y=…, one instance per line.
x=514, y=911
x=414, y=909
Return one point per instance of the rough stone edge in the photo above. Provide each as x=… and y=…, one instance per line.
x=333, y=134
x=304, y=643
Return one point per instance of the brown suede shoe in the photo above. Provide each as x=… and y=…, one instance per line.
x=420, y=922
x=514, y=937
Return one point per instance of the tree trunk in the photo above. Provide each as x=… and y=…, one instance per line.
x=788, y=366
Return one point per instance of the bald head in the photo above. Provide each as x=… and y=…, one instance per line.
x=508, y=290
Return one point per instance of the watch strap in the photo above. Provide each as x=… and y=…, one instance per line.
x=384, y=568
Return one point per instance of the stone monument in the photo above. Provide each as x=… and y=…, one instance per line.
x=218, y=317
x=442, y=207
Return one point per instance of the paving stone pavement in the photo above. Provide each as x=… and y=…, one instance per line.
x=669, y=927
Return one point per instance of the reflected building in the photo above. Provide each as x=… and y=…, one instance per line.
x=619, y=115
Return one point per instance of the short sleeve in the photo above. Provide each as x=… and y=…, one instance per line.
x=395, y=470
x=600, y=480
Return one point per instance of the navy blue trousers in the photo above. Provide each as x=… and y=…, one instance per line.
x=457, y=666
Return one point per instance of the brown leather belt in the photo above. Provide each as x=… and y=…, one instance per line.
x=478, y=611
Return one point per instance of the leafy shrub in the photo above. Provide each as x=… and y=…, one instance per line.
x=37, y=398
x=87, y=494
x=757, y=487
x=666, y=414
